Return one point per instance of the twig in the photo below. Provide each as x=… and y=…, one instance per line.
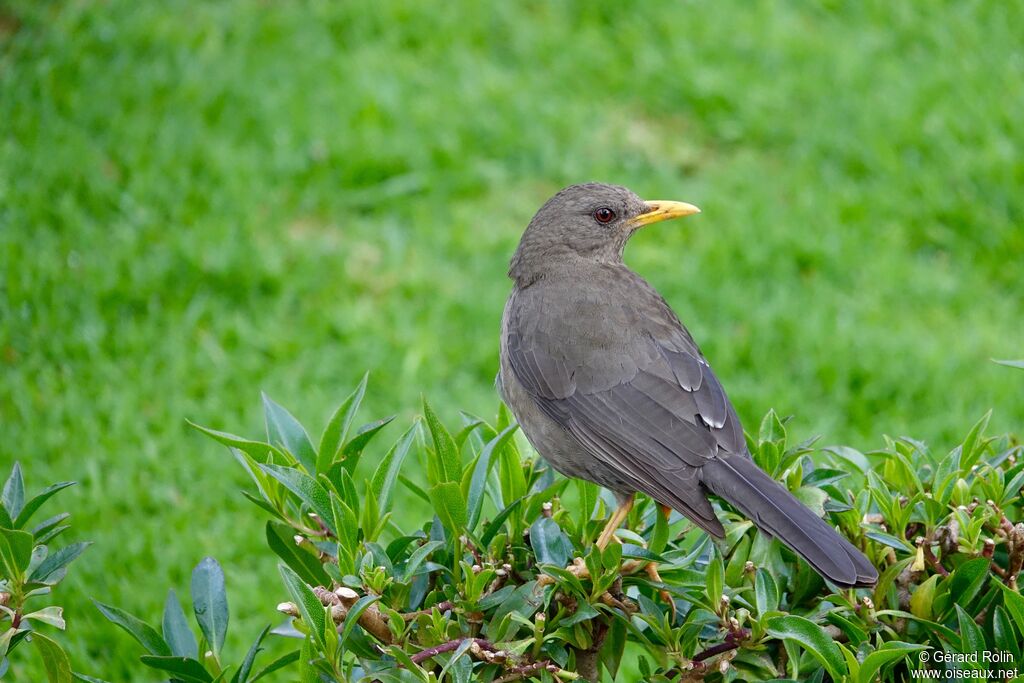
x=733, y=639
x=424, y=655
x=442, y=606
x=930, y=558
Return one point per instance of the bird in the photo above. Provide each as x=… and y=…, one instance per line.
x=609, y=386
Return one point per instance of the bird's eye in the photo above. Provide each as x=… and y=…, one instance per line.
x=604, y=215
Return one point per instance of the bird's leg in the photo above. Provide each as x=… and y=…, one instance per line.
x=615, y=521
x=578, y=567
x=651, y=569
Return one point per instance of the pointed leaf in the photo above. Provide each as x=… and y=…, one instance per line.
x=283, y=428
x=55, y=660
x=37, y=501
x=313, y=613
x=449, y=505
x=13, y=497
x=255, y=449
x=766, y=593
x=337, y=428
x=354, y=447
x=52, y=615
x=210, y=602
x=549, y=542
x=446, y=453
x=301, y=561
x=715, y=579
x=386, y=474
x=15, y=552
x=54, y=563
x=182, y=668
x=354, y=612
x=494, y=526
x=475, y=496
x=306, y=488
x=812, y=638
x=136, y=628
x=886, y=654
x=279, y=663
x=245, y=668
x=177, y=633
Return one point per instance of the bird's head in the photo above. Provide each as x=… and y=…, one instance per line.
x=591, y=221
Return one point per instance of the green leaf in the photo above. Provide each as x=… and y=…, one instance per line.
x=55, y=660
x=245, y=668
x=386, y=474
x=312, y=610
x=631, y=551
x=659, y=537
x=737, y=561
x=715, y=578
x=854, y=631
x=306, y=488
x=494, y=526
x=1014, y=603
x=355, y=446
x=417, y=558
x=13, y=497
x=771, y=428
x=255, y=449
x=974, y=445
x=50, y=570
x=182, y=668
x=15, y=552
x=337, y=428
x=478, y=482
x=1010, y=363
x=32, y=506
x=276, y=665
x=922, y=598
x=884, y=655
x=210, y=602
x=52, y=615
x=284, y=429
x=86, y=679
x=549, y=542
x=301, y=561
x=965, y=583
x=448, y=462
x=1004, y=634
x=354, y=612
x=136, y=628
x=812, y=638
x=614, y=646
x=177, y=634
x=971, y=637
x=449, y=505
x=766, y=593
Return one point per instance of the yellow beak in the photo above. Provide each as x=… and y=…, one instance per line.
x=662, y=210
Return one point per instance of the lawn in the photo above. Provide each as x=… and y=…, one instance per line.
x=199, y=201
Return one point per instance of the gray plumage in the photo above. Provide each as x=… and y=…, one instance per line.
x=609, y=386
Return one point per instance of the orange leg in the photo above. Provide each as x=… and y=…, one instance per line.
x=614, y=522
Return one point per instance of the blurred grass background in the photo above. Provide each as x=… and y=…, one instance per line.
x=200, y=200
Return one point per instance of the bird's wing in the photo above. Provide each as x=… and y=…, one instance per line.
x=650, y=408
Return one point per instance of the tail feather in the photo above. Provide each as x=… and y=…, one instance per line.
x=774, y=510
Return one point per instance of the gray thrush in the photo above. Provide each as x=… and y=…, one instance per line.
x=608, y=385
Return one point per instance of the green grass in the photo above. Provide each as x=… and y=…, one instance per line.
x=202, y=200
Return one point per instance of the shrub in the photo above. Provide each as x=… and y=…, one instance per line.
x=480, y=590
x=30, y=567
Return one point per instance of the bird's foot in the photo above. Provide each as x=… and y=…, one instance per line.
x=578, y=568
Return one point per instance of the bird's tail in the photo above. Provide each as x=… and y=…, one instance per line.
x=776, y=512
